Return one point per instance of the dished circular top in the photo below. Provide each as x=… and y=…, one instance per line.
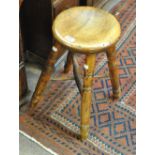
x=86, y=29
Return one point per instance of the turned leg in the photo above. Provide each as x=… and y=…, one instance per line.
x=45, y=77
x=68, y=64
x=87, y=94
x=113, y=69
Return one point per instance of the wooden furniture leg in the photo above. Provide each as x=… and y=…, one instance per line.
x=44, y=78
x=113, y=69
x=68, y=64
x=87, y=94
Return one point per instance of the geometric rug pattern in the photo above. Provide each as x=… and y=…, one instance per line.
x=55, y=122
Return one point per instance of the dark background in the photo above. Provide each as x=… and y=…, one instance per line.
x=35, y=23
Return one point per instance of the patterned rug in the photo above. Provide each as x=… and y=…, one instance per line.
x=55, y=122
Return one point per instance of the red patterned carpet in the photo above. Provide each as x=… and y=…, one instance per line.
x=56, y=120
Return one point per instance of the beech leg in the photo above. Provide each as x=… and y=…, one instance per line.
x=113, y=69
x=87, y=94
x=44, y=78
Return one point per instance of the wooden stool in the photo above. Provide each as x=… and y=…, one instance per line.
x=85, y=30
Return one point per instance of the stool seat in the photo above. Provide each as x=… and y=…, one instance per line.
x=86, y=29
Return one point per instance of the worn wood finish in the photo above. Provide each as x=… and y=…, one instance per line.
x=77, y=74
x=113, y=68
x=89, y=31
x=68, y=64
x=87, y=94
x=45, y=77
x=86, y=29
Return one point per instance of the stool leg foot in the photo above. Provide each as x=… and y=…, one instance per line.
x=87, y=95
x=44, y=78
x=68, y=64
x=113, y=68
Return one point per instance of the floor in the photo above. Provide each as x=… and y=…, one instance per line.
x=26, y=145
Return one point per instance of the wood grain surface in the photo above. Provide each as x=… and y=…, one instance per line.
x=86, y=29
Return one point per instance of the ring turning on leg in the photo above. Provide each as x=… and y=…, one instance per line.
x=113, y=69
x=44, y=78
x=87, y=95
